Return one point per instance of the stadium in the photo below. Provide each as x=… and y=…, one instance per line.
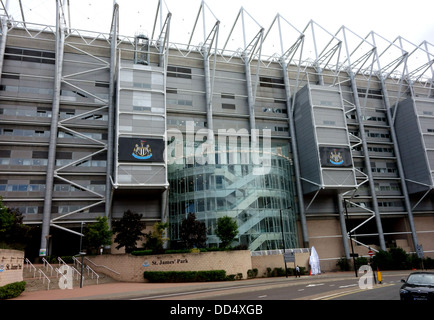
x=325, y=142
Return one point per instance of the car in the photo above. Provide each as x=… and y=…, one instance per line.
x=418, y=286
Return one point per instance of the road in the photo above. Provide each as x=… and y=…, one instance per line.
x=304, y=288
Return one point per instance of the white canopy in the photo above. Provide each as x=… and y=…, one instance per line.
x=314, y=262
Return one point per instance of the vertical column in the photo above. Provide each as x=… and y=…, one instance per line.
x=4, y=33
x=407, y=202
x=111, y=106
x=208, y=95
x=250, y=99
x=398, y=162
x=367, y=161
x=60, y=41
x=295, y=155
x=365, y=150
x=343, y=226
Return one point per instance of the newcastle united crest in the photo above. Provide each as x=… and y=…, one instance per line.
x=142, y=151
x=336, y=158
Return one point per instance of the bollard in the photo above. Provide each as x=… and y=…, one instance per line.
x=379, y=277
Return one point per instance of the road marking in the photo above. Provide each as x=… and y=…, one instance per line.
x=300, y=290
x=347, y=286
x=314, y=285
x=264, y=296
x=341, y=294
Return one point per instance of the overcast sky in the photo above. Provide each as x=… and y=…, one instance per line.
x=412, y=20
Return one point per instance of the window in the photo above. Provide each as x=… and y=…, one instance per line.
x=268, y=82
x=37, y=56
x=227, y=96
x=171, y=90
x=371, y=94
x=178, y=72
x=228, y=106
x=329, y=122
x=102, y=84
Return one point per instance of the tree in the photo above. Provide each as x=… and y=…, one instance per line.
x=98, y=234
x=128, y=230
x=13, y=233
x=226, y=230
x=154, y=238
x=193, y=232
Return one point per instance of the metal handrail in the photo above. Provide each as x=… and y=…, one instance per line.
x=43, y=279
x=101, y=266
x=76, y=261
x=61, y=261
x=93, y=273
x=30, y=265
x=47, y=265
x=75, y=270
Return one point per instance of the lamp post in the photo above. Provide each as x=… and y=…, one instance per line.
x=82, y=254
x=283, y=241
x=351, y=239
x=81, y=236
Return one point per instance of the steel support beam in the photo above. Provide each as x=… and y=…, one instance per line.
x=365, y=148
x=4, y=34
x=111, y=107
x=407, y=202
x=294, y=150
x=343, y=226
x=60, y=43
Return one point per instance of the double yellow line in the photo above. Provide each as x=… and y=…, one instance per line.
x=345, y=293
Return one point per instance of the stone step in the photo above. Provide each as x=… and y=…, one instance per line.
x=35, y=281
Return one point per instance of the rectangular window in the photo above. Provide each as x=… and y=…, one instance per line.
x=102, y=84
x=227, y=96
x=228, y=106
x=171, y=90
x=37, y=56
x=178, y=72
x=268, y=82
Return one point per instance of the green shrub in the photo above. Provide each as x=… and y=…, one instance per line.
x=185, y=276
x=12, y=290
x=276, y=272
x=141, y=252
x=361, y=261
x=252, y=273
x=343, y=264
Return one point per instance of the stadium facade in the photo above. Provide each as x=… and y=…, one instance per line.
x=332, y=139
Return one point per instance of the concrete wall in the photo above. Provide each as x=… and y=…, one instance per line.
x=130, y=268
x=276, y=261
x=11, y=266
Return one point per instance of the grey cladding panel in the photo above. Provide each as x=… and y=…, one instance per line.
x=413, y=154
x=307, y=148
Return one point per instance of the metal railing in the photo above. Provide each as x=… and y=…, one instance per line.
x=278, y=251
x=31, y=266
x=76, y=261
x=102, y=266
x=44, y=276
x=61, y=261
x=77, y=272
x=47, y=266
x=89, y=269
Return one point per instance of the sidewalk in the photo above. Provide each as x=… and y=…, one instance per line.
x=124, y=290
x=100, y=291
x=127, y=290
